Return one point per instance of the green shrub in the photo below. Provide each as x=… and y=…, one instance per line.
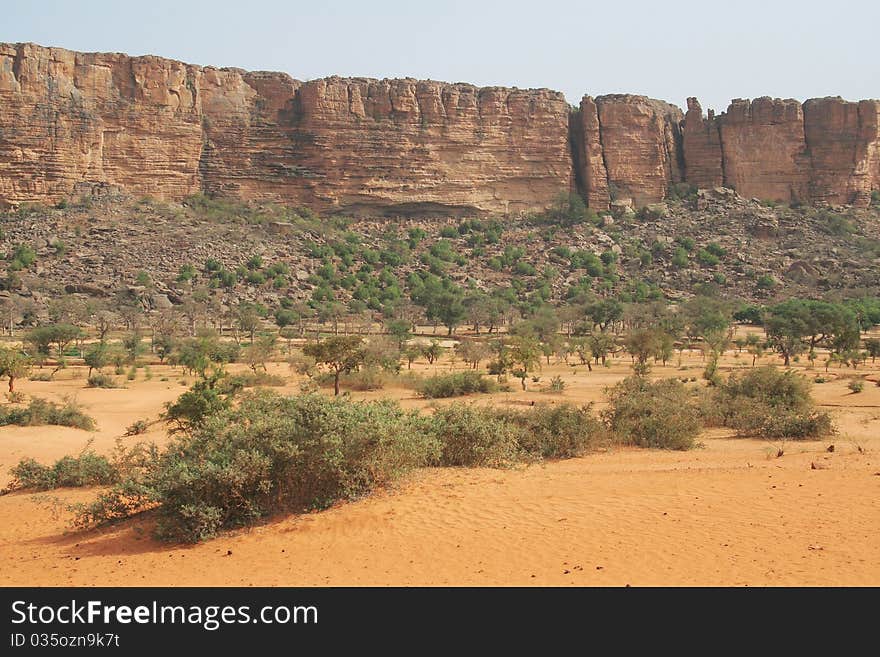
x=102, y=381
x=207, y=397
x=766, y=402
x=454, y=385
x=366, y=378
x=705, y=257
x=766, y=282
x=41, y=411
x=137, y=427
x=253, y=379
x=652, y=414
x=87, y=469
x=472, y=436
x=856, y=386
x=268, y=455
x=555, y=431
x=557, y=385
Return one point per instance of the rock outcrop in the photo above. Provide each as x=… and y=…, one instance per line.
x=74, y=123
x=843, y=139
x=701, y=139
x=166, y=129
x=764, y=149
x=824, y=152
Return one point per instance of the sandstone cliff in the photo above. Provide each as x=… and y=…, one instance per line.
x=626, y=146
x=826, y=151
x=70, y=122
x=165, y=129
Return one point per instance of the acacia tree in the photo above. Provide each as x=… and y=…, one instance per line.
x=257, y=353
x=13, y=365
x=472, y=352
x=399, y=329
x=872, y=345
x=97, y=357
x=43, y=338
x=600, y=345
x=247, y=319
x=525, y=356
x=433, y=351
x=411, y=353
x=341, y=354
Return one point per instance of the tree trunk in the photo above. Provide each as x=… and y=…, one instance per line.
x=336, y=384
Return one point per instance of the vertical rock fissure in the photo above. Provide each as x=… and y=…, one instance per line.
x=611, y=189
x=575, y=142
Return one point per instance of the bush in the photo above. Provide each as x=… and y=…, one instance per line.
x=767, y=402
x=557, y=385
x=454, y=385
x=268, y=455
x=87, y=469
x=475, y=437
x=40, y=412
x=856, y=386
x=555, y=431
x=102, y=381
x=253, y=379
x=136, y=428
x=652, y=414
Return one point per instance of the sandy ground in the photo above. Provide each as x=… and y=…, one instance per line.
x=729, y=513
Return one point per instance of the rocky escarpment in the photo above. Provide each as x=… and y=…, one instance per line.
x=71, y=123
x=161, y=128
x=626, y=147
x=826, y=151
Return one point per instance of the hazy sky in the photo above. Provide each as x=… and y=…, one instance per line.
x=714, y=50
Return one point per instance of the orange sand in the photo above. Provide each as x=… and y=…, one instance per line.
x=730, y=513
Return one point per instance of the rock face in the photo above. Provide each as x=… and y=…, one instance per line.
x=640, y=140
x=70, y=118
x=702, y=147
x=626, y=147
x=165, y=129
x=74, y=123
x=764, y=150
x=826, y=151
x=844, y=143
x=367, y=144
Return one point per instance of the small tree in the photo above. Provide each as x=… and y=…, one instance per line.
x=433, y=351
x=411, y=353
x=600, y=345
x=257, y=353
x=341, y=354
x=13, y=365
x=872, y=346
x=399, y=329
x=97, y=358
x=43, y=338
x=247, y=319
x=472, y=352
x=525, y=355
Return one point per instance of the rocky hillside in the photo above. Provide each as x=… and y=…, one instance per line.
x=163, y=254
x=72, y=123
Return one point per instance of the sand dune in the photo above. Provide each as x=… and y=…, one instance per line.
x=730, y=513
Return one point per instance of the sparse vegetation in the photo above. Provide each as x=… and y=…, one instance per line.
x=658, y=414
x=768, y=403
x=40, y=411
x=454, y=385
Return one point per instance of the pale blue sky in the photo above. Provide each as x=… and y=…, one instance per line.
x=711, y=49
